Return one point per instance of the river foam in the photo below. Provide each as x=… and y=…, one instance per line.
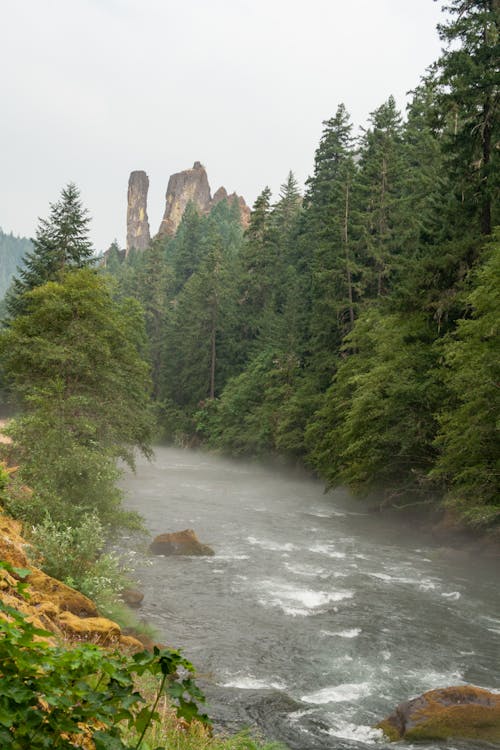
x=294, y=600
x=347, y=691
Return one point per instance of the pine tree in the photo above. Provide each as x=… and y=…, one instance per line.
x=380, y=187
x=61, y=243
x=185, y=250
x=75, y=362
x=256, y=274
x=467, y=72
x=328, y=224
x=194, y=333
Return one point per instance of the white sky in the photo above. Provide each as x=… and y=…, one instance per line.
x=93, y=89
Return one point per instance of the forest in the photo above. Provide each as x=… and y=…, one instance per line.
x=354, y=328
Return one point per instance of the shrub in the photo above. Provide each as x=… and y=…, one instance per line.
x=55, y=697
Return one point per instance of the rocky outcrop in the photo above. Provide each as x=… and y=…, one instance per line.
x=244, y=210
x=51, y=605
x=138, y=236
x=463, y=712
x=222, y=195
x=179, y=543
x=189, y=186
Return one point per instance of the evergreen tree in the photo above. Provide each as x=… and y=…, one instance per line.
x=470, y=95
x=380, y=187
x=74, y=359
x=185, y=250
x=194, y=334
x=285, y=214
x=256, y=275
x=61, y=243
x=376, y=426
x=328, y=231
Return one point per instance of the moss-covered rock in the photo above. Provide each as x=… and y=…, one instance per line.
x=43, y=588
x=98, y=630
x=465, y=712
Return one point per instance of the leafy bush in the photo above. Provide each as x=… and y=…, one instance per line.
x=74, y=554
x=54, y=697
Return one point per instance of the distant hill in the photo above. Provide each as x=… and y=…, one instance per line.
x=12, y=251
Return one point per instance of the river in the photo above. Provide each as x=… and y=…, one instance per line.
x=315, y=617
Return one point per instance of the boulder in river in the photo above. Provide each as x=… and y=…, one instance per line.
x=179, y=543
x=132, y=597
x=462, y=712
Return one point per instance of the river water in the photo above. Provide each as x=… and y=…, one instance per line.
x=315, y=617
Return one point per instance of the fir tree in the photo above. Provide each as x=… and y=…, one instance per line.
x=328, y=229
x=470, y=95
x=380, y=187
x=61, y=243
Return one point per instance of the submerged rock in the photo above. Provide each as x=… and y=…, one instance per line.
x=132, y=597
x=462, y=712
x=179, y=543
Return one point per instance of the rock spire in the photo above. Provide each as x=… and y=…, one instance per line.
x=138, y=236
x=189, y=186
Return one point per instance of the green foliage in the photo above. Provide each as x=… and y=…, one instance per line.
x=467, y=72
x=468, y=438
x=376, y=426
x=246, y=419
x=68, y=551
x=74, y=554
x=61, y=243
x=73, y=359
x=53, y=695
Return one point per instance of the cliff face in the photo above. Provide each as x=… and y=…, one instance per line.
x=138, y=235
x=188, y=186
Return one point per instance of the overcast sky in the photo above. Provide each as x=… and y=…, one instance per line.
x=93, y=89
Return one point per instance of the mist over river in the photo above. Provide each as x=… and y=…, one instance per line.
x=315, y=617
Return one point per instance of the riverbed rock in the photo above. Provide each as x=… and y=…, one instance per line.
x=180, y=543
x=462, y=712
x=132, y=597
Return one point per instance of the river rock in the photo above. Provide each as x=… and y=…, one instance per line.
x=463, y=712
x=132, y=597
x=179, y=543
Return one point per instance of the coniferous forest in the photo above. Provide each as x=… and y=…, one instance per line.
x=354, y=328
